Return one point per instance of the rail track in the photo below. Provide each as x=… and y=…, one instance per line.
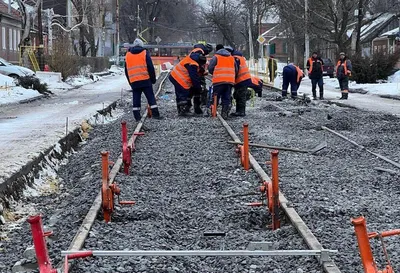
x=290, y=212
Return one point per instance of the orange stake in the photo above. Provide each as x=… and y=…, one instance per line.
x=214, y=107
x=106, y=194
x=246, y=163
x=367, y=258
x=149, y=114
x=275, y=190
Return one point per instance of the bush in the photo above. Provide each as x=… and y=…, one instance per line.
x=30, y=82
x=378, y=67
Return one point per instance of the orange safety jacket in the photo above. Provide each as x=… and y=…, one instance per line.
x=344, y=64
x=181, y=74
x=255, y=80
x=224, y=71
x=199, y=50
x=137, y=67
x=243, y=73
x=311, y=61
x=299, y=73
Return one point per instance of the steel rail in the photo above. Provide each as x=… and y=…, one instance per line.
x=87, y=223
x=310, y=239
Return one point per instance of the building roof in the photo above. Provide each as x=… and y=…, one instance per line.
x=373, y=26
x=390, y=32
x=4, y=10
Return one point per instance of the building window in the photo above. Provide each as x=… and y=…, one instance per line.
x=15, y=39
x=3, y=37
x=285, y=48
x=10, y=41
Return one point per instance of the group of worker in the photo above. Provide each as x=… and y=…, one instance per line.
x=293, y=75
x=229, y=72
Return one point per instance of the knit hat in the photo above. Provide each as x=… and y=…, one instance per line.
x=138, y=42
x=342, y=53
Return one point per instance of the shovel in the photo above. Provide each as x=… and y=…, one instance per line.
x=317, y=148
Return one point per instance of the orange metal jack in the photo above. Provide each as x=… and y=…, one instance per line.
x=108, y=191
x=126, y=149
x=149, y=113
x=360, y=227
x=214, y=107
x=246, y=163
x=275, y=190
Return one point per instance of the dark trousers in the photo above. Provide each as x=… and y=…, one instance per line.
x=320, y=83
x=137, y=97
x=289, y=77
x=181, y=93
x=344, y=84
x=224, y=92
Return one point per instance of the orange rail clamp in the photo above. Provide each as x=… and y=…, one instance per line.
x=275, y=190
x=108, y=191
x=246, y=163
x=214, y=107
x=126, y=149
x=367, y=258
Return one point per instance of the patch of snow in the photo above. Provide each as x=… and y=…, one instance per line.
x=395, y=78
x=79, y=80
x=116, y=69
x=16, y=94
x=390, y=32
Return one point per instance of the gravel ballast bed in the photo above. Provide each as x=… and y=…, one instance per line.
x=64, y=210
x=338, y=183
x=182, y=169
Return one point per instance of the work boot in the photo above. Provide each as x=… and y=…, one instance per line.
x=321, y=94
x=225, y=111
x=314, y=95
x=137, y=115
x=181, y=108
x=240, y=111
x=344, y=96
x=155, y=113
x=197, y=104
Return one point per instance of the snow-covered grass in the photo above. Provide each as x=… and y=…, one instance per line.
x=10, y=93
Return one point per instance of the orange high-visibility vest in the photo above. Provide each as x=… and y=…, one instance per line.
x=311, y=61
x=181, y=74
x=137, y=66
x=224, y=71
x=299, y=73
x=199, y=50
x=344, y=64
x=244, y=73
x=255, y=80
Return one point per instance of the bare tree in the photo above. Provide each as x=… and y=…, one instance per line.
x=28, y=13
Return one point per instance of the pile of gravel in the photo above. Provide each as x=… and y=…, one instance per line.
x=183, y=173
x=338, y=183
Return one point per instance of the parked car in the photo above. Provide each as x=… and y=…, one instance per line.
x=329, y=68
x=14, y=71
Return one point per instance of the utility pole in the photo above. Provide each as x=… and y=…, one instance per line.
x=117, y=31
x=69, y=14
x=359, y=23
x=223, y=35
x=50, y=13
x=9, y=6
x=137, y=21
x=40, y=29
x=306, y=37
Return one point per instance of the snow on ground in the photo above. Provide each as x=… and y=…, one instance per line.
x=10, y=93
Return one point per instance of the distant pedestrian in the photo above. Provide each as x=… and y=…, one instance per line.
x=343, y=72
x=315, y=73
x=292, y=75
x=139, y=71
x=272, y=68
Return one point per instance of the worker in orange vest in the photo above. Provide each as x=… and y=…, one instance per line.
x=186, y=80
x=257, y=85
x=242, y=82
x=315, y=73
x=343, y=72
x=139, y=71
x=292, y=74
x=224, y=69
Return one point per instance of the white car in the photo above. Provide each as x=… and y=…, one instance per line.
x=14, y=71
